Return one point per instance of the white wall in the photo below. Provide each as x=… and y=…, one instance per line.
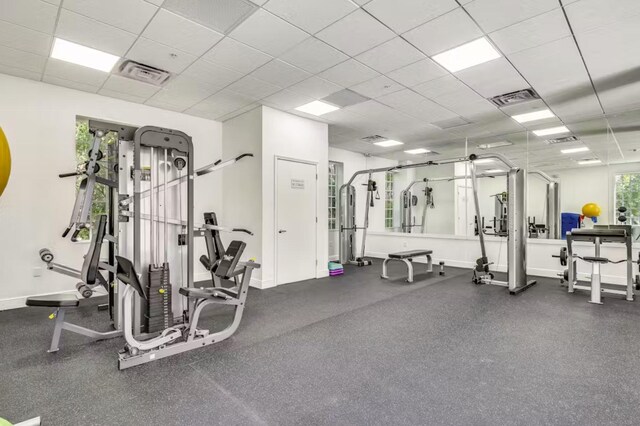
x=242, y=191
x=289, y=136
x=39, y=121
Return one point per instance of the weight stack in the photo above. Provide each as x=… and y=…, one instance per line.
x=158, y=313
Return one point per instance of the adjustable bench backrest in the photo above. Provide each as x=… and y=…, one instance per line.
x=230, y=260
x=127, y=274
x=90, y=266
x=215, y=248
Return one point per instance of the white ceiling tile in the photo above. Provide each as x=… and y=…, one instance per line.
x=377, y=86
x=533, y=32
x=253, y=87
x=160, y=56
x=213, y=75
x=361, y=2
x=314, y=56
x=492, y=15
x=238, y=112
x=586, y=15
x=287, y=100
x=403, y=15
x=129, y=15
x=221, y=103
x=418, y=72
x=183, y=92
x=280, y=73
x=311, y=15
x=22, y=60
x=444, y=33
x=349, y=73
x=417, y=106
x=236, y=56
x=438, y=87
x=116, y=83
x=17, y=72
x=72, y=72
x=156, y=2
x=163, y=105
x=380, y=113
x=124, y=96
x=356, y=33
x=88, y=32
x=70, y=84
x=268, y=33
x=178, y=32
x=219, y=15
x=54, y=2
x=34, y=14
x=315, y=87
x=22, y=38
x=566, y=74
x=569, y=108
x=391, y=55
x=259, y=2
x=493, y=78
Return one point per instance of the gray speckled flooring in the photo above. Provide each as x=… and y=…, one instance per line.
x=349, y=350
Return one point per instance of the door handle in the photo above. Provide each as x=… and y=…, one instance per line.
x=282, y=231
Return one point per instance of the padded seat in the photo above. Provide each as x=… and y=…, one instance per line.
x=410, y=254
x=204, y=293
x=585, y=232
x=54, y=301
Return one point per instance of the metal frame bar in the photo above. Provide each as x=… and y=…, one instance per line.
x=61, y=324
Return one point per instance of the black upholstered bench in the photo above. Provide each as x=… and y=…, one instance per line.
x=407, y=257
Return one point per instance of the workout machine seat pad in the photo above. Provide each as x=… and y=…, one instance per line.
x=54, y=301
x=204, y=293
x=409, y=254
x=600, y=232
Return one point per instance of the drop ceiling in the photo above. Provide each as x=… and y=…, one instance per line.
x=227, y=56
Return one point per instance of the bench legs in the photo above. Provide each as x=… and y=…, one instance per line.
x=61, y=324
x=409, y=263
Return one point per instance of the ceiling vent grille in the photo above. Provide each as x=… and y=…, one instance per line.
x=514, y=98
x=374, y=138
x=143, y=73
x=220, y=15
x=566, y=139
x=451, y=123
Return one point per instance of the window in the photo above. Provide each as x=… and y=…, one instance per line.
x=84, y=140
x=388, y=205
x=627, y=194
x=334, y=186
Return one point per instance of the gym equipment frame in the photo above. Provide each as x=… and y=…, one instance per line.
x=598, y=236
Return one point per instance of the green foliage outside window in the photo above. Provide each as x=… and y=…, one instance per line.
x=84, y=141
x=628, y=195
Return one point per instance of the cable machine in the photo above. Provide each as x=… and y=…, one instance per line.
x=517, y=227
x=409, y=200
x=552, y=226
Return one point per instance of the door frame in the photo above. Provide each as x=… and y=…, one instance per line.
x=278, y=158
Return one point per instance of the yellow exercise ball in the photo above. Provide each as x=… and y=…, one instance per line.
x=591, y=210
x=5, y=161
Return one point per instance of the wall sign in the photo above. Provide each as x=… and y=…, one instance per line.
x=297, y=183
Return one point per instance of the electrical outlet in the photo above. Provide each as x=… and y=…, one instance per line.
x=37, y=271
x=404, y=244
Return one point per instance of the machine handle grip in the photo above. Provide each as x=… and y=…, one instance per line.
x=65, y=175
x=66, y=232
x=246, y=231
x=74, y=236
x=243, y=155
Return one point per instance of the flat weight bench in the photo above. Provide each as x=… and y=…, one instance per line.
x=407, y=257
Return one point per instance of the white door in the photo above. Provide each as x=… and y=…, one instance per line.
x=296, y=188
x=466, y=211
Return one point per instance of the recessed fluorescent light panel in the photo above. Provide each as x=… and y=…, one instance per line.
x=533, y=116
x=574, y=150
x=417, y=151
x=82, y=55
x=483, y=161
x=551, y=131
x=494, y=144
x=589, y=162
x=495, y=171
x=468, y=55
x=388, y=143
x=317, y=108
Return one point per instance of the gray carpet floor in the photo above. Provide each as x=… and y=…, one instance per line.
x=349, y=350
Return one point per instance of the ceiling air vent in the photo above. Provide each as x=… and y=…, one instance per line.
x=143, y=73
x=374, y=138
x=514, y=98
x=561, y=140
x=451, y=123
